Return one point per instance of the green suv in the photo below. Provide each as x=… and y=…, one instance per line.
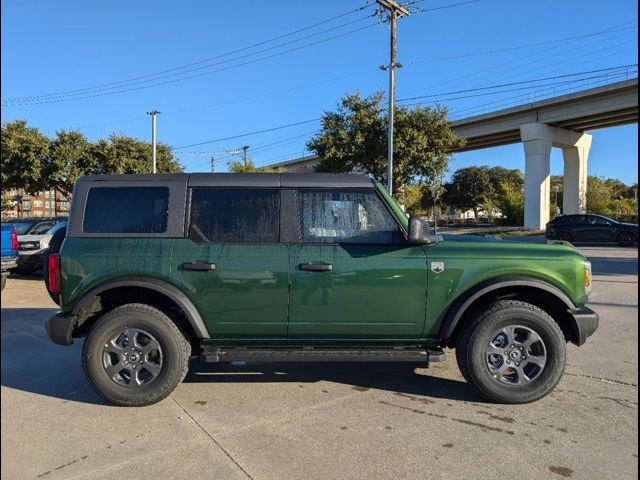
x=156, y=269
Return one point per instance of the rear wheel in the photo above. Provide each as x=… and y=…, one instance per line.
x=626, y=239
x=511, y=352
x=135, y=355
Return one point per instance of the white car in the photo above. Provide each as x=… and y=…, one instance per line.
x=33, y=247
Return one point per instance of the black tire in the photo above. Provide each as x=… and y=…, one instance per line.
x=175, y=349
x=3, y=282
x=565, y=236
x=54, y=247
x=476, y=334
x=626, y=239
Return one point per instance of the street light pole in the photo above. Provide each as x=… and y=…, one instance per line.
x=153, y=114
x=394, y=11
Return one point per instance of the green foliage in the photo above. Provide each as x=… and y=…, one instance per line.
x=33, y=162
x=249, y=167
x=511, y=203
x=354, y=138
x=611, y=197
x=412, y=198
x=25, y=153
x=470, y=188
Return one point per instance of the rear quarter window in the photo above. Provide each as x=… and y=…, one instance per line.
x=126, y=210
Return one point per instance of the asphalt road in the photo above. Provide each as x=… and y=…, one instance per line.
x=324, y=421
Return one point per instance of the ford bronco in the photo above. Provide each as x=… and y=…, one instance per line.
x=156, y=269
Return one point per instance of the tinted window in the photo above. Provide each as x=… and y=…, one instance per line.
x=230, y=215
x=345, y=216
x=598, y=221
x=126, y=210
x=578, y=219
x=41, y=228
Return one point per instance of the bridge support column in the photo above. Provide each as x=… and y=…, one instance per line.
x=538, y=140
x=575, y=176
x=537, y=182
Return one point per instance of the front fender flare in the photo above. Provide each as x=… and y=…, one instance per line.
x=160, y=286
x=464, y=301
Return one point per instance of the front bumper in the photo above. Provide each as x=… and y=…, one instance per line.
x=585, y=322
x=60, y=328
x=9, y=263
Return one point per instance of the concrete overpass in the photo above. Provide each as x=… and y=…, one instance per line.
x=540, y=126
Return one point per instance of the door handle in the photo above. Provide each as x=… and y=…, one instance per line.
x=316, y=267
x=198, y=266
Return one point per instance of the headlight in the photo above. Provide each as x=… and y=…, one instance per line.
x=588, y=281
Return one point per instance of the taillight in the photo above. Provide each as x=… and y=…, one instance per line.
x=53, y=269
x=14, y=240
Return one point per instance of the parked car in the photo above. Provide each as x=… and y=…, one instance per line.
x=591, y=228
x=9, y=251
x=26, y=226
x=34, y=246
x=155, y=268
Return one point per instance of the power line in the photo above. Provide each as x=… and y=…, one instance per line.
x=247, y=134
x=115, y=88
x=248, y=47
x=468, y=90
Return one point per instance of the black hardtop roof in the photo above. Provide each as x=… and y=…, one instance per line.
x=319, y=180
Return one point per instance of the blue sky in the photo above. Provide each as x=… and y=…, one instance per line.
x=70, y=46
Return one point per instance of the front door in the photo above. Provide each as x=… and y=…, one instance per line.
x=232, y=266
x=354, y=278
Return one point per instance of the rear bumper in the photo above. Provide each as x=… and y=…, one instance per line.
x=585, y=322
x=60, y=328
x=9, y=263
x=31, y=259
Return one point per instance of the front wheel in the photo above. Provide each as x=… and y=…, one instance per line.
x=511, y=352
x=626, y=239
x=135, y=355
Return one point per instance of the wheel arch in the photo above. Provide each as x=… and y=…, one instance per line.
x=101, y=298
x=532, y=290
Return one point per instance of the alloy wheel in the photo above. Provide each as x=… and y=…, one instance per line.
x=515, y=355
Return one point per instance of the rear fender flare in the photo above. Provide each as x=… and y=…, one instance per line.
x=170, y=291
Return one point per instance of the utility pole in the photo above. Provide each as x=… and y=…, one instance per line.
x=213, y=164
x=153, y=114
x=394, y=11
x=244, y=155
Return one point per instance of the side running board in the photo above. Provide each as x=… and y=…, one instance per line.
x=215, y=355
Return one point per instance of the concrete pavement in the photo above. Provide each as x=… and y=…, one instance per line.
x=306, y=421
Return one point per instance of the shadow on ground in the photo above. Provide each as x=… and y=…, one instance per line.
x=31, y=363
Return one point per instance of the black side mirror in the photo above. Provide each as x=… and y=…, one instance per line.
x=419, y=230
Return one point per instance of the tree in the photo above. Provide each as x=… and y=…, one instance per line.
x=24, y=154
x=470, y=189
x=354, y=138
x=508, y=193
x=33, y=162
x=249, y=167
x=69, y=158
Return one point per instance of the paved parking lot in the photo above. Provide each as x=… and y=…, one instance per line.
x=307, y=421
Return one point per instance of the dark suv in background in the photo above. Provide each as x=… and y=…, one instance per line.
x=591, y=228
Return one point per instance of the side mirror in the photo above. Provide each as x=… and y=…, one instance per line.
x=419, y=230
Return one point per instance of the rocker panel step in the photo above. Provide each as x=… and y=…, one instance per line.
x=320, y=355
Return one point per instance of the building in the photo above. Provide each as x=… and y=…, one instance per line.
x=49, y=203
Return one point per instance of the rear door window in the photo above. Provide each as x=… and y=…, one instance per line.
x=235, y=215
x=126, y=210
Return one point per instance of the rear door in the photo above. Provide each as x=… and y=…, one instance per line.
x=232, y=264
x=354, y=278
